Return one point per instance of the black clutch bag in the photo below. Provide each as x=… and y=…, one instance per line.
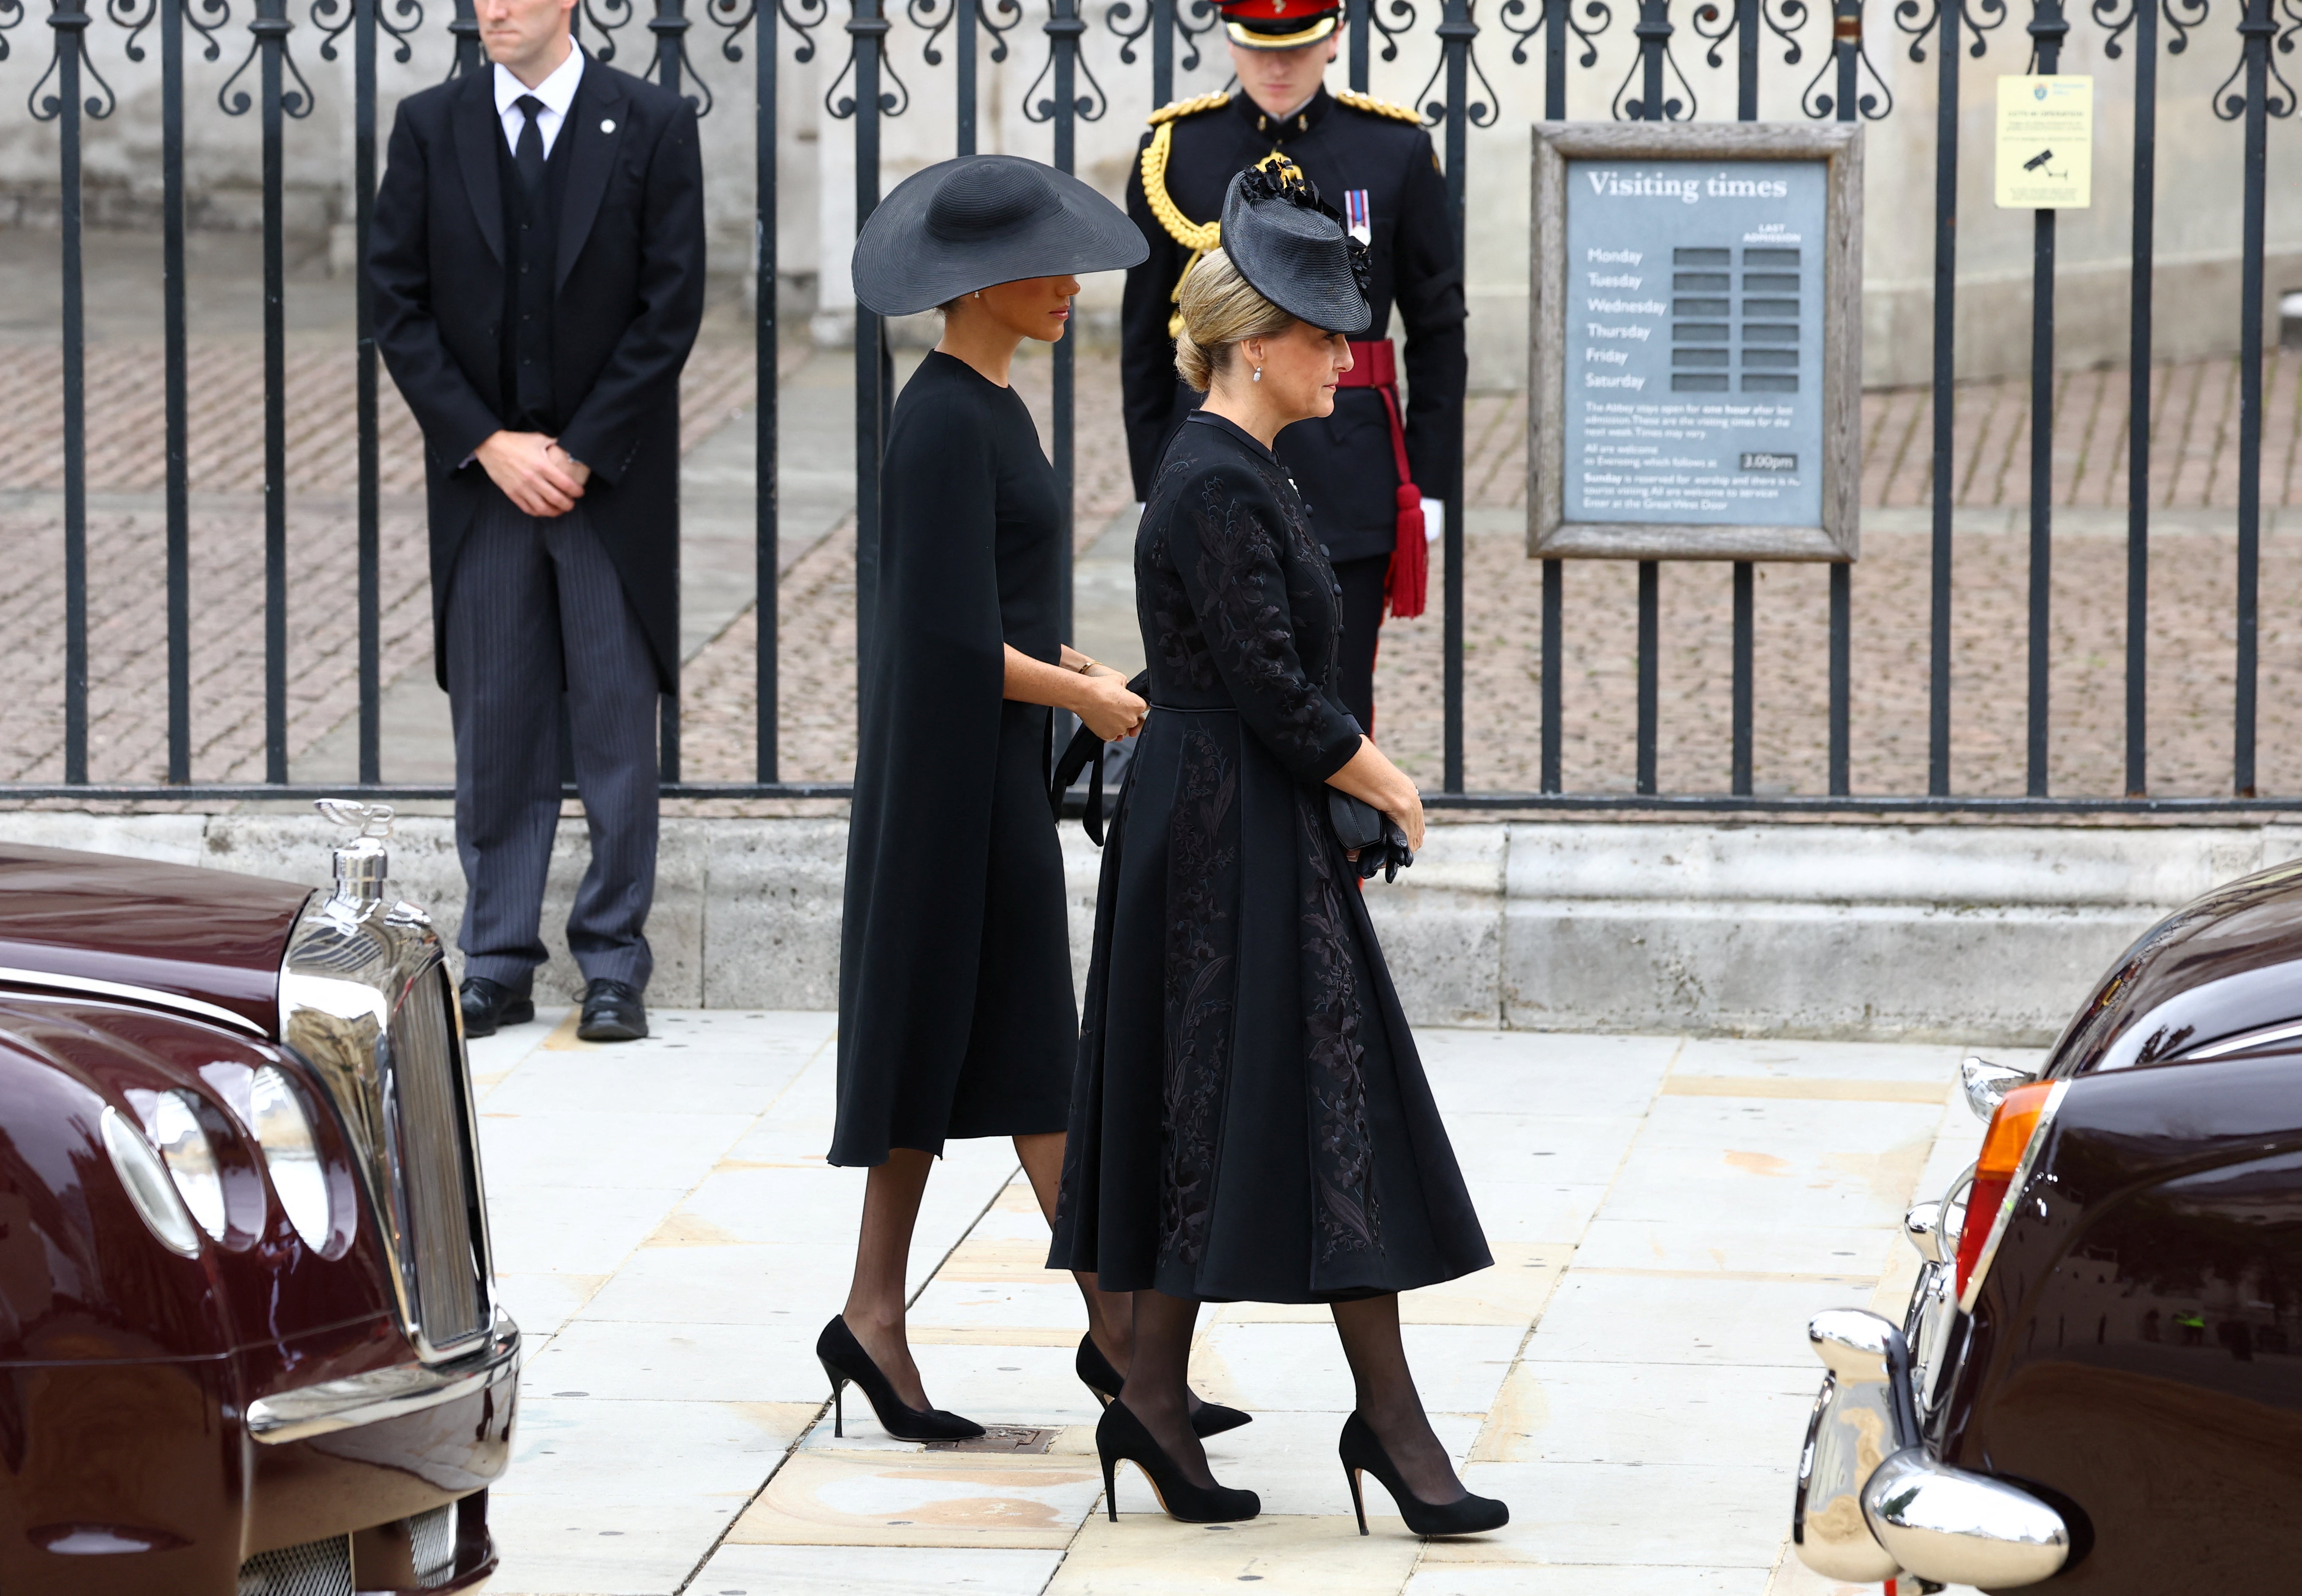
x=1366, y=830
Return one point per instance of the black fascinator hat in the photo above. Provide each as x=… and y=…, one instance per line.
x=965, y=224
x=1295, y=251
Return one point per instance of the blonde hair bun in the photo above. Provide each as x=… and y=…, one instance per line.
x=1220, y=310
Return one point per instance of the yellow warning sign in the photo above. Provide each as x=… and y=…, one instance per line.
x=2046, y=143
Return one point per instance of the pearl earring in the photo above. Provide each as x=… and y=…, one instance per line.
x=1258, y=375
x=979, y=293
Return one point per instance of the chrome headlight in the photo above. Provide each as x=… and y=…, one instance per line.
x=291, y=1154
x=191, y=1159
x=155, y=1196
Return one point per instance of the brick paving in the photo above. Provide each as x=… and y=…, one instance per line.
x=127, y=531
x=2192, y=622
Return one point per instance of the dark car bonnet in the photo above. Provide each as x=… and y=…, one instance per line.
x=208, y=936
x=2228, y=963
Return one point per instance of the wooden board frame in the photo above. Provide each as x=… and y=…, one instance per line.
x=1549, y=535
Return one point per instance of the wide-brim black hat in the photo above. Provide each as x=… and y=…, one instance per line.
x=965, y=224
x=1294, y=252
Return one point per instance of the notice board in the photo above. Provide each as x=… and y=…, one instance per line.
x=1696, y=361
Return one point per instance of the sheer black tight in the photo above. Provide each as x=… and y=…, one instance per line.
x=1385, y=1392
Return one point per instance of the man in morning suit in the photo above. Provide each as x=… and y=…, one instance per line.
x=1376, y=477
x=538, y=267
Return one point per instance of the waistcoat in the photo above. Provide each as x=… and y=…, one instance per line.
x=530, y=258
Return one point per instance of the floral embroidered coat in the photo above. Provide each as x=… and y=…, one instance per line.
x=1249, y=1122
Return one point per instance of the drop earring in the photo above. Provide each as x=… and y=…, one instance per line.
x=979, y=293
x=1258, y=375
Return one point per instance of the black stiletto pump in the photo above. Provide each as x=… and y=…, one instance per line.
x=1096, y=1374
x=1120, y=1436
x=844, y=1359
x=1362, y=1449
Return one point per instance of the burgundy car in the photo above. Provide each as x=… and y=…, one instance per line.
x=2098, y=1387
x=248, y=1335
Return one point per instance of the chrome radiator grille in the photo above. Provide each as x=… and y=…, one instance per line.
x=438, y=1191
x=433, y=1545
x=315, y=1569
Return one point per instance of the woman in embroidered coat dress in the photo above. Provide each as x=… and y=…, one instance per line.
x=1250, y=1119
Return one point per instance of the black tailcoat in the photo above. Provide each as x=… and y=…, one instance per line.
x=1343, y=461
x=629, y=268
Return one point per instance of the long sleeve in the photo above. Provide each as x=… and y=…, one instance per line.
x=1147, y=350
x=455, y=420
x=643, y=374
x=1430, y=302
x=939, y=620
x=1224, y=540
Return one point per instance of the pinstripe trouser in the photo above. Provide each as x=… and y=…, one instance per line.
x=537, y=610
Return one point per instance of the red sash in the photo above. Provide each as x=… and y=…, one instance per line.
x=1374, y=365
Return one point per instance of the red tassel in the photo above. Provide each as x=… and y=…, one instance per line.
x=1407, y=584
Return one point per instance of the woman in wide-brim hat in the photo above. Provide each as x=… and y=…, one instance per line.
x=956, y=1015
x=1251, y=1122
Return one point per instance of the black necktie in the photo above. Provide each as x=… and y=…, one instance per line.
x=528, y=155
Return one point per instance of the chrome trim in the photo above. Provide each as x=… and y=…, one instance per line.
x=89, y=986
x=1986, y=1084
x=2024, y=1170
x=1921, y=1227
x=1926, y=1320
x=1946, y=1524
x=2286, y=1031
x=382, y=1394
x=351, y=965
x=1871, y=1503
x=361, y=860
x=1860, y=1418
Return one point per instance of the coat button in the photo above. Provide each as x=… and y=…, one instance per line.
x=608, y=126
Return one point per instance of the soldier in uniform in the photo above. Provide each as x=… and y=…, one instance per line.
x=1375, y=475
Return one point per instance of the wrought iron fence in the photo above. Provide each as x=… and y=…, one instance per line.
x=1556, y=36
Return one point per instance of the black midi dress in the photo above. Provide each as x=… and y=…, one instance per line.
x=956, y=1013
x=1250, y=1121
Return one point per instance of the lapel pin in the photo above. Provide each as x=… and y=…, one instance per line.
x=608, y=126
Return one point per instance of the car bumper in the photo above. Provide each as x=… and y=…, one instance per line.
x=1873, y=1503
x=150, y=1477
x=386, y=1393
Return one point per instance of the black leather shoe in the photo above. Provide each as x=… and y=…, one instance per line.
x=612, y=1012
x=487, y=1004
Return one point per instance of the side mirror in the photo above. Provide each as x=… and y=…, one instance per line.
x=1986, y=1084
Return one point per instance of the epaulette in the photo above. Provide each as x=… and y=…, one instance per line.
x=1373, y=107
x=1173, y=109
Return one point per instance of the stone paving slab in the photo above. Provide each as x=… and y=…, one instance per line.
x=1632, y=1377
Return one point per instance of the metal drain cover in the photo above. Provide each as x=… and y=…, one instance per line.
x=999, y=1438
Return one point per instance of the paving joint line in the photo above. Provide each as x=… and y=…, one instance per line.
x=823, y=1407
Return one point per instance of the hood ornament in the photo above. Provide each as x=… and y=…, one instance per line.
x=361, y=860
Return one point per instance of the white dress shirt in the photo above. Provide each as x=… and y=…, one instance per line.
x=558, y=92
